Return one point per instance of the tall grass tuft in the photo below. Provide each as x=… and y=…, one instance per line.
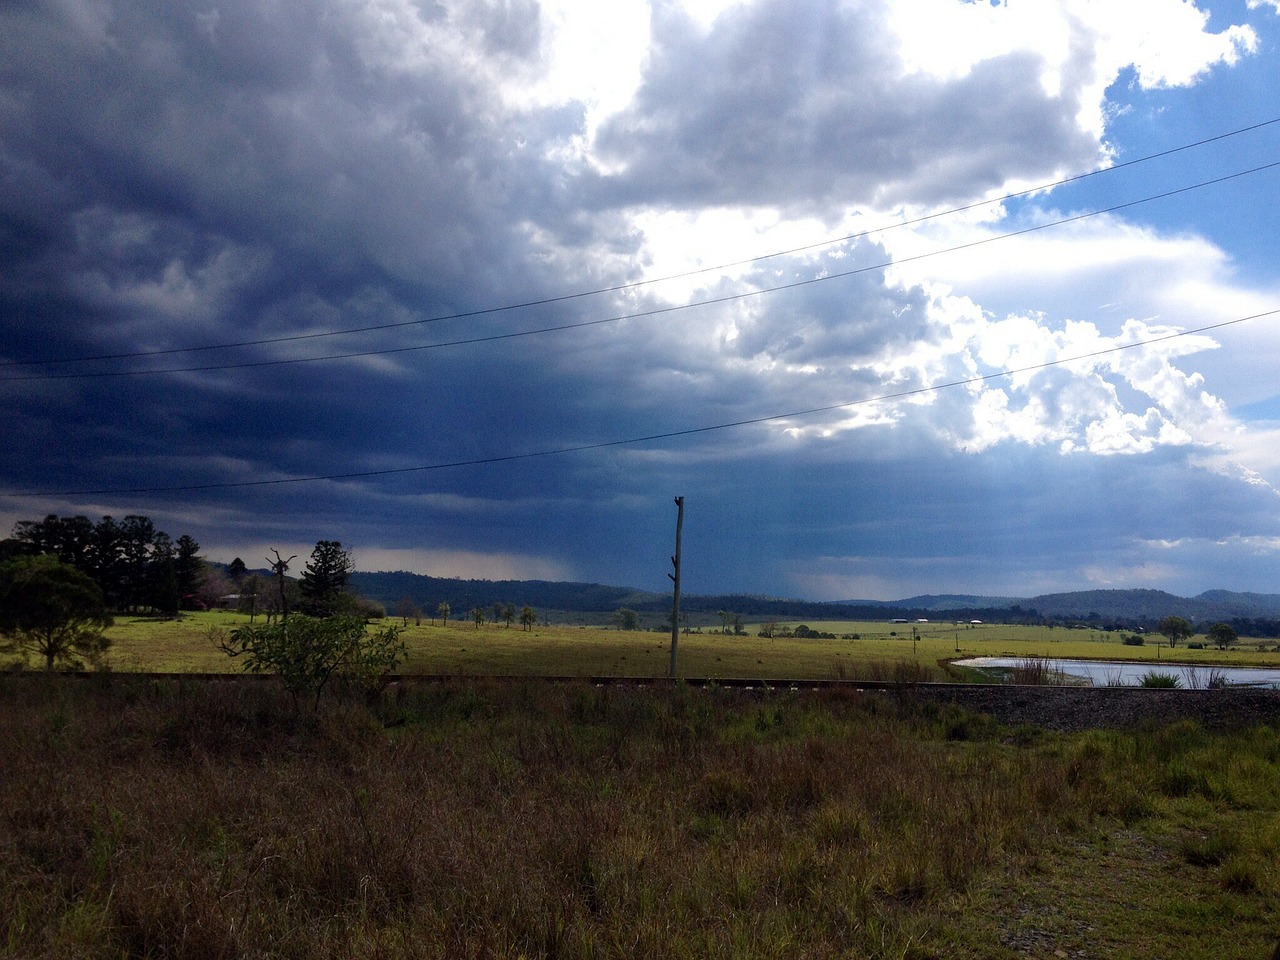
x=1198, y=678
x=1033, y=671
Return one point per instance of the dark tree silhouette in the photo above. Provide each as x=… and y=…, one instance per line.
x=324, y=580
x=188, y=569
x=279, y=568
x=53, y=610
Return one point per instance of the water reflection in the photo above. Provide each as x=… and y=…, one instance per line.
x=1126, y=673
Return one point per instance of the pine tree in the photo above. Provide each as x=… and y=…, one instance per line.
x=324, y=579
x=188, y=570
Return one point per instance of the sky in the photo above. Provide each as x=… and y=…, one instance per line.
x=902, y=297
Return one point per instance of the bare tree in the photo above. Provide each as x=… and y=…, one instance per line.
x=279, y=567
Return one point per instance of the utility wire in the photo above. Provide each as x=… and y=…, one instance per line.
x=655, y=311
x=564, y=298
x=669, y=435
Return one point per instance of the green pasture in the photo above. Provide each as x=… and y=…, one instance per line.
x=183, y=645
x=189, y=644
x=1012, y=640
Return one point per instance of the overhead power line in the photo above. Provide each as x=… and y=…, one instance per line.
x=618, y=288
x=652, y=312
x=649, y=438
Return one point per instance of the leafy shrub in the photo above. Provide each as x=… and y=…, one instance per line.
x=1133, y=640
x=307, y=652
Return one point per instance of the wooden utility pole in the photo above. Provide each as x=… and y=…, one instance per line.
x=675, y=579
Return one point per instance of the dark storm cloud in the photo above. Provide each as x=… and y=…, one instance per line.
x=927, y=519
x=176, y=176
x=806, y=105
x=244, y=171
x=179, y=176
x=259, y=151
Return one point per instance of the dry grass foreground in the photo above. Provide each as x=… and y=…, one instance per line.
x=153, y=817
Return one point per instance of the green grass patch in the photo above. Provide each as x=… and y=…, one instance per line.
x=184, y=645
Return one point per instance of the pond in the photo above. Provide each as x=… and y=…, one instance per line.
x=1127, y=673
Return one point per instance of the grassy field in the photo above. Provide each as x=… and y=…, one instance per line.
x=157, y=817
x=185, y=645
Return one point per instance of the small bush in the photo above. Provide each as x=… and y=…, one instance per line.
x=1160, y=680
x=1133, y=640
x=308, y=652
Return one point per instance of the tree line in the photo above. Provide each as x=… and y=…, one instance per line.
x=136, y=566
x=62, y=577
x=408, y=609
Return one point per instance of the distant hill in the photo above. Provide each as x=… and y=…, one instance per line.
x=1153, y=605
x=1247, y=604
x=1123, y=607
x=597, y=599
x=945, y=601
x=1125, y=604
x=463, y=595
